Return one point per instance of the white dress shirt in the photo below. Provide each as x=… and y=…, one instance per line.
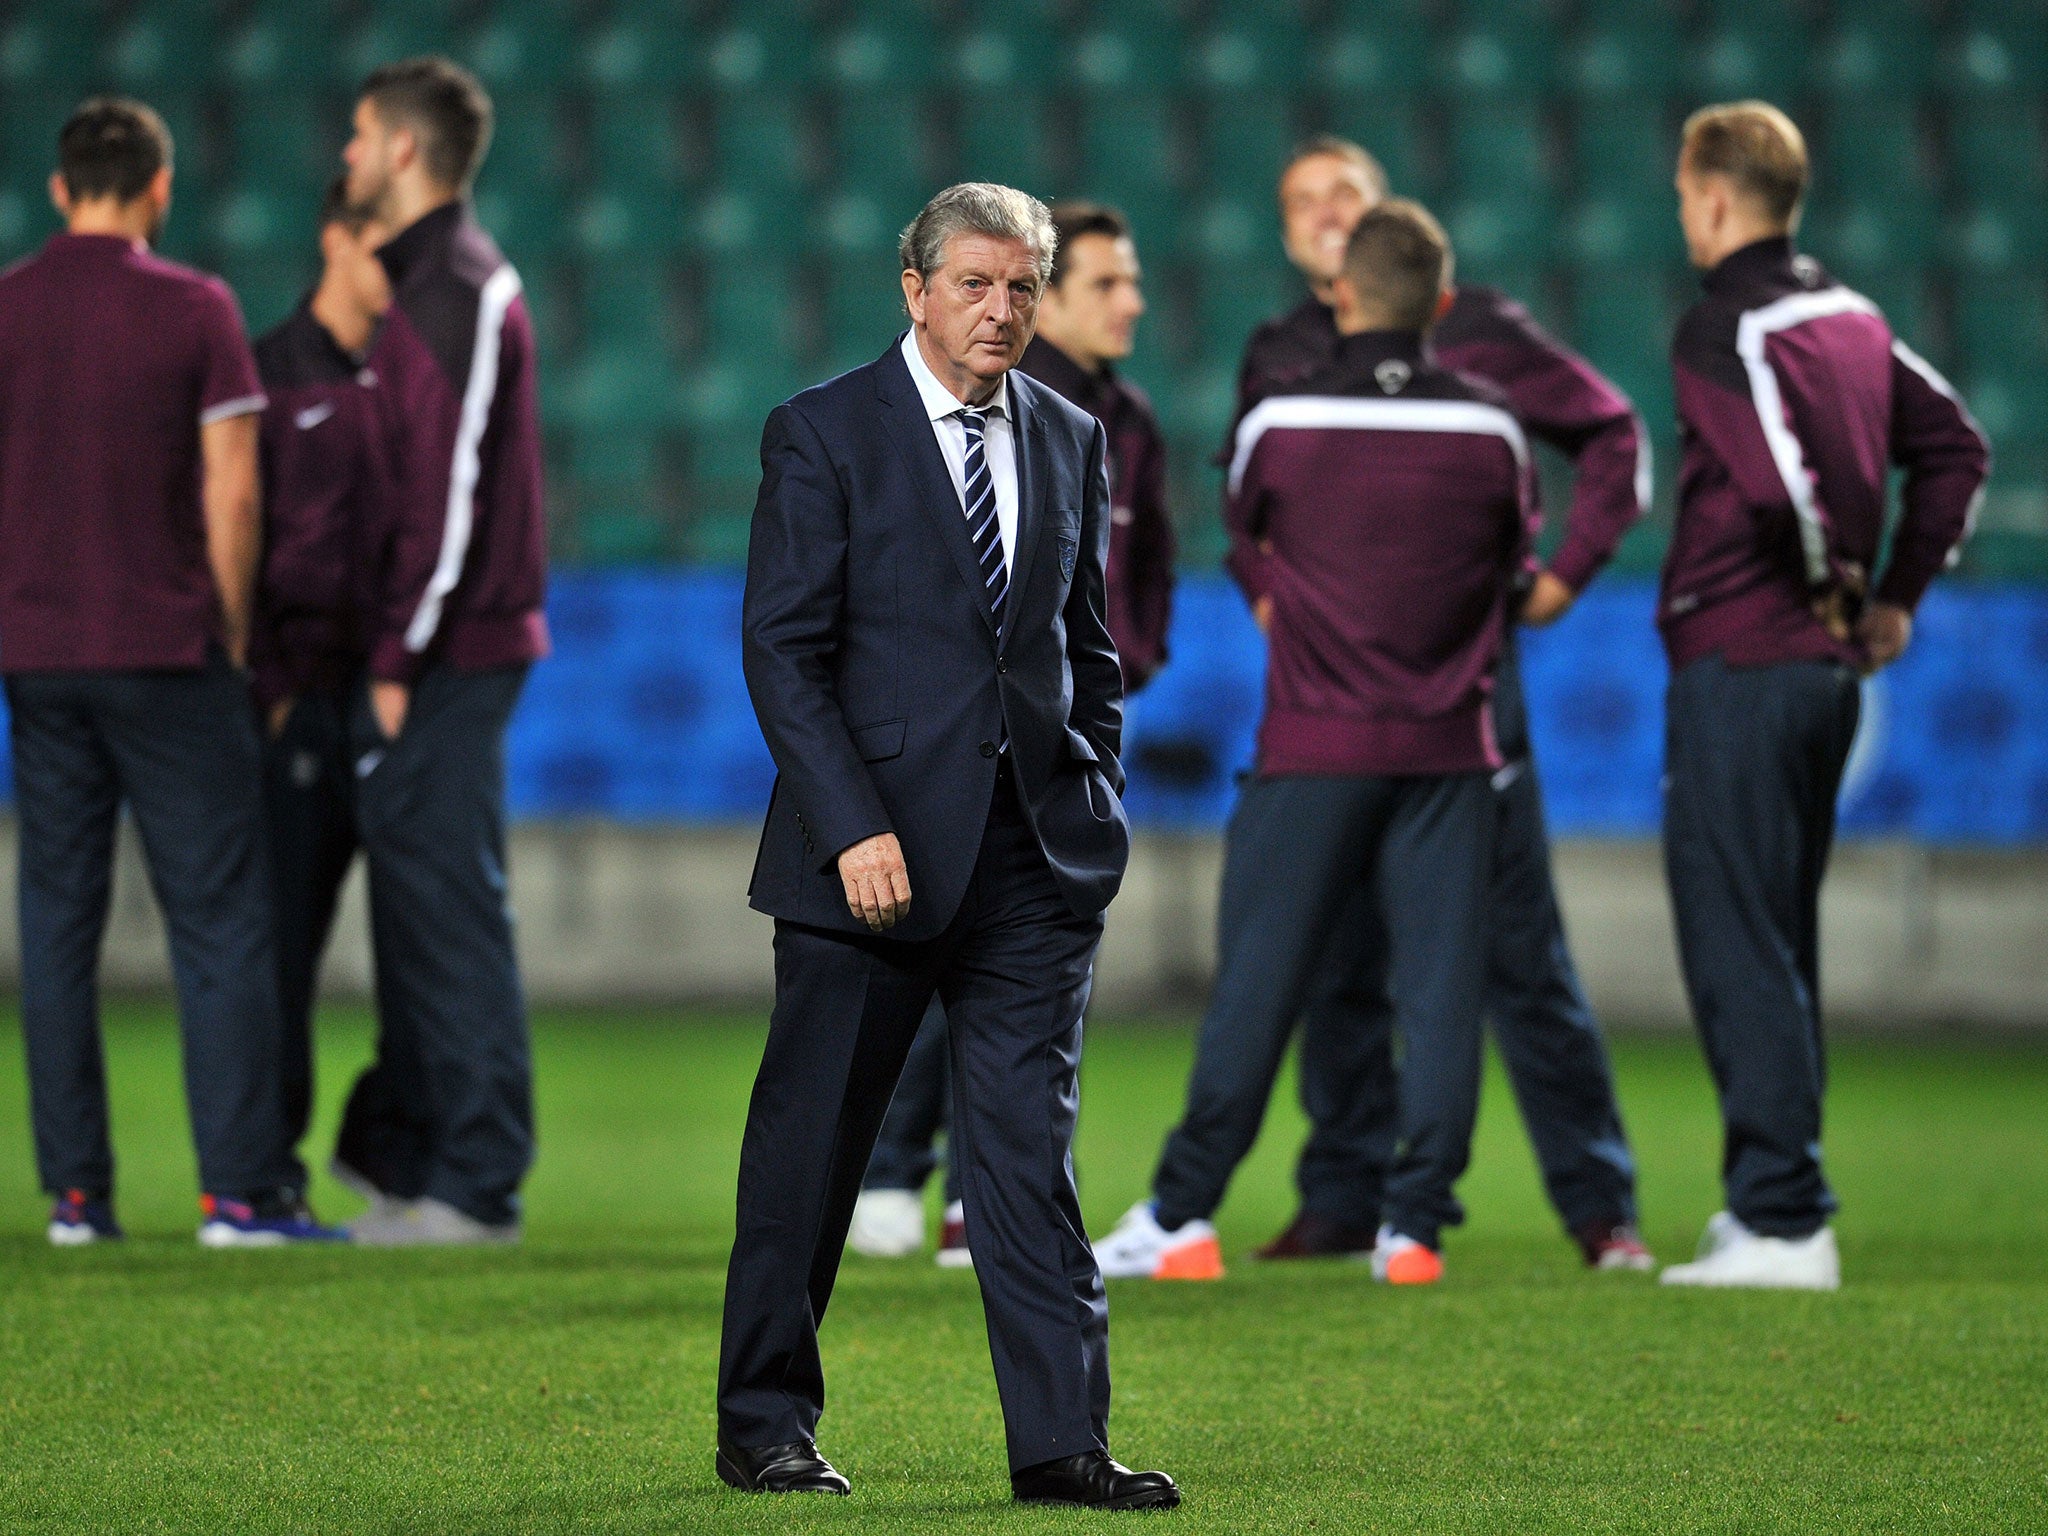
x=998, y=442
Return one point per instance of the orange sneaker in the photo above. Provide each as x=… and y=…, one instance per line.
x=1402, y=1260
x=1141, y=1249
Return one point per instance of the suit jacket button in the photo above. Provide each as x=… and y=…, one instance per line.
x=988, y=749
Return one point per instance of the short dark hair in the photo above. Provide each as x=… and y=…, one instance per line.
x=335, y=208
x=112, y=147
x=444, y=104
x=1399, y=260
x=1317, y=144
x=1757, y=147
x=1074, y=218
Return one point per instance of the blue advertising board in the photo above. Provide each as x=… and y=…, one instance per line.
x=642, y=714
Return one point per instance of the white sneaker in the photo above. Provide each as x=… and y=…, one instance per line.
x=428, y=1223
x=887, y=1223
x=1398, y=1259
x=1141, y=1249
x=383, y=1207
x=1730, y=1255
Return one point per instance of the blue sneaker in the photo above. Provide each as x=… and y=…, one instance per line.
x=271, y=1222
x=79, y=1218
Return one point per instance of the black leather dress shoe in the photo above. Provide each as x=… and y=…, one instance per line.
x=793, y=1468
x=1094, y=1480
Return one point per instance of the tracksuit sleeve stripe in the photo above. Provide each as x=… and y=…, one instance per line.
x=1344, y=413
x=1751, y=334
x=498, y=293
x=1947, y=391
x=241, y=405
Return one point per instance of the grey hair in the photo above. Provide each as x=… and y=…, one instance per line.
x=978, y=208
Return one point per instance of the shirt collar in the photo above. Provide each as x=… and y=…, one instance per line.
x=430, y=231
x=939, y=401
x=1757, y=259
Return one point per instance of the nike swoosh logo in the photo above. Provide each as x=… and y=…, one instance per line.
x=313, y=415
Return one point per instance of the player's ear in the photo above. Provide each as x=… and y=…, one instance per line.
x=913, y=294
x=60, y=195
x=1444, y=301
x=160, y=187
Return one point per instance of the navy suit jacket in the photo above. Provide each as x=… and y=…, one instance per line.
x=875, y=667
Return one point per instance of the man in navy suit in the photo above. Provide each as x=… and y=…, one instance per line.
x=928, y=657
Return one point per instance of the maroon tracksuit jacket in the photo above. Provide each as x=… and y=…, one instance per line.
x=1793, y=396
x=1384, y=504
x=1558, y=396
x=1140, y=573
x=462, y=567
x=317, y=597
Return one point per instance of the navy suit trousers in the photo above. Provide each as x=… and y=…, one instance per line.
x=181, y=749
x=906, y=1152
x=446, y=1109
x=1012, y=970
x=1753, y=760
x=1548, y=1035
x=1297, y=852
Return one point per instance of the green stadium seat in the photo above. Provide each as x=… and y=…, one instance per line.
x=863, y=309
x=1391, y=130
x=1005, y=50
x=529, y=222
x=1251, y=49
x=1625, y=230
x=1002, y=137
x=30, y=120
x=1625, y=148
x=2002, y=325
x=1623, y=321
x=1229, y=228
x=884, y=47
x=49, y=46
x=759, y=140
x=1872, y=147
x=522, y=45
x=629, y=53
x=1996, y=55
x=747, y=310
x=767, y=45
x=282, y=46
x=1997, y=151
x=1873, y=231
x=269, y=286
x=1501, y=151
x=612, y=221
x=388, y=34
x=287, y=138
x=884, y=143
x=1759, y=55
x=635, y=139
x=528, y=144
x=259, y=219
x=1504, y=49
x=629, y=300
x=1639, y=61
x=1370, y=57
x=1133, y=45
x=1130, y=156
x=1244, y=143
x=1235, y=297
x=1865, y=56
x=611, y=389
x=166, y=46
x=1998, y=237
x=734, y=222
x=551, y=291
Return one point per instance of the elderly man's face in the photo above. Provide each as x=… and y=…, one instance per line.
x=976, y=313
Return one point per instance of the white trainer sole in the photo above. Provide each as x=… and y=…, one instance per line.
x=64, y=1234
x=218, y=1234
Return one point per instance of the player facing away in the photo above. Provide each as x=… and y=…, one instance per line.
x=129, y=529
x=458, y=582
x=1380, y=510
x=1548, y=1035
x=315, y=605
x=1087, y=321
x=1793, y=398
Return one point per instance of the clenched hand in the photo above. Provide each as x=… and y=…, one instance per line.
x=877, y=881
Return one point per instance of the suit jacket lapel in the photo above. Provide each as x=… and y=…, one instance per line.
x=911, y=429
x=1032, y=480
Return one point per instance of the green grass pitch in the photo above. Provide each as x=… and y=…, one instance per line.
x=567, y=1386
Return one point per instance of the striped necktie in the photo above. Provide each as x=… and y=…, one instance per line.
x=982, y=524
